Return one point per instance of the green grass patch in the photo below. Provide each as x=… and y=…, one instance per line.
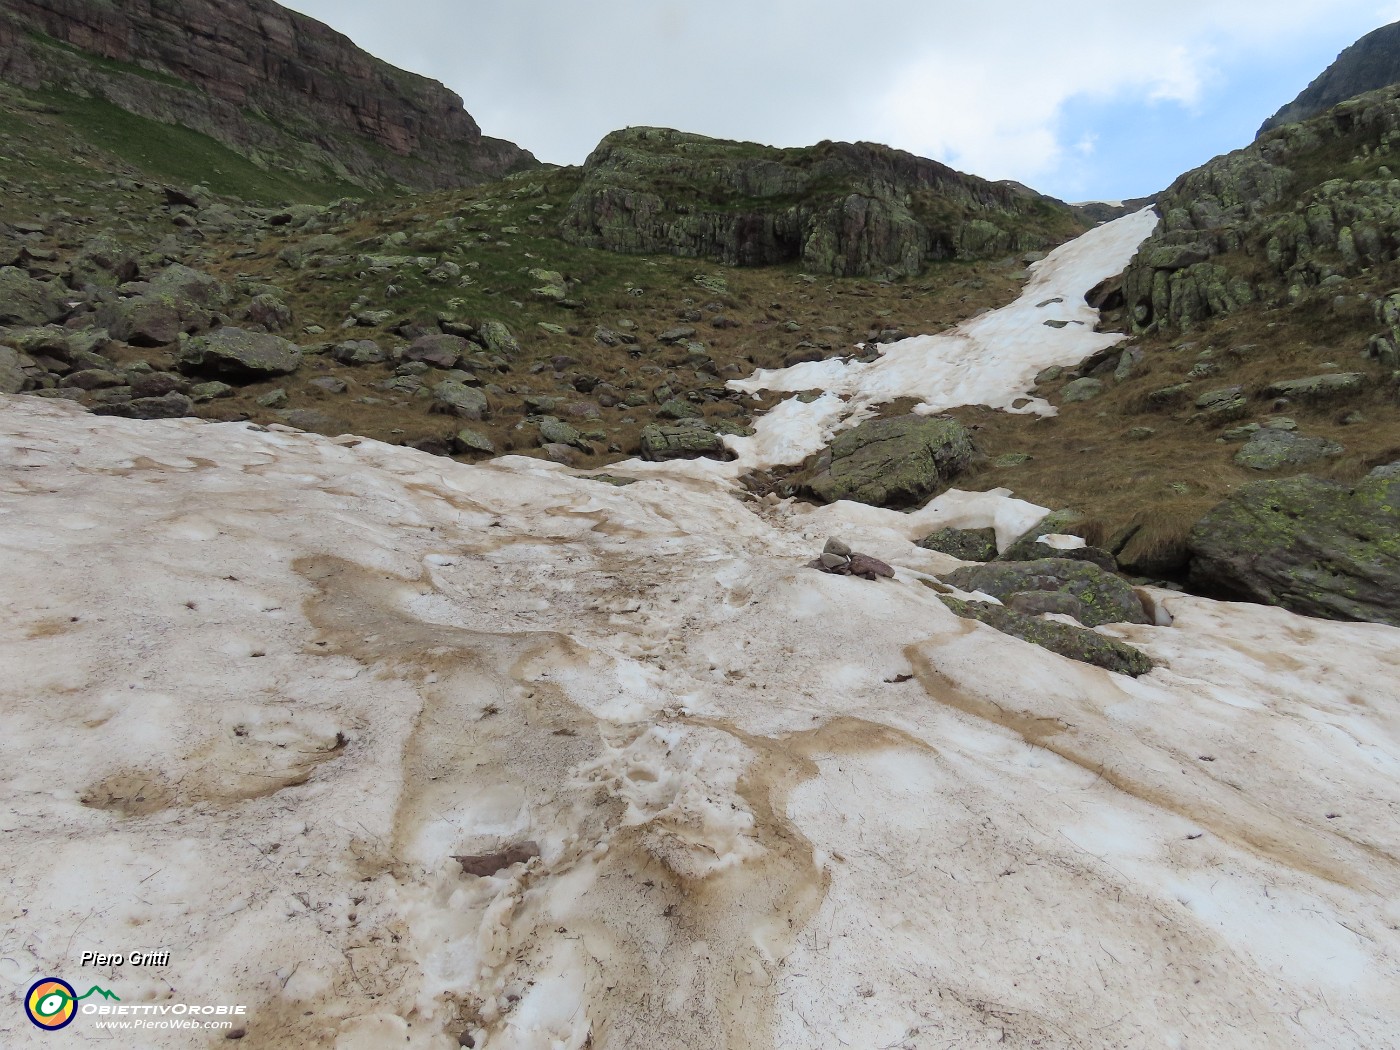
x=182, y=155
x=112, y=65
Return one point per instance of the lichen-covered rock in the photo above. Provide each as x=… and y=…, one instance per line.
x=498, y=338
x=13, y=378
x=190, y=285
x=552, y=286
x=965, y=544
x=154, y=320
x=1084, y=389
x=660, y=442
x=1076, y=643
x=897, y=462
x=239, y=354
x=554, y=431
x=839, y=208
x=359, y=352
x=1319, y=388
x=440, y=351
x=458, y=399
x=104, y=261
x=25, y=301
x=268, y=311
x=472, y=441
x=211, y=391
x=168, y=406
x=1106, y=598
x=1271, y=448
x=1313, y=546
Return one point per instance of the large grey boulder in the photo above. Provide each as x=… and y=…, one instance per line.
x=458, y=399
x=1320, y=388
x=236, y=353
x=1315, y=547
x=12, y=375
x=498, y=339
x=168, y=406
x=1105, y=598
x=104, y=261
x=660, y=442
x=1270, y=448
x=440, y=351
x=177, y=300
x=25, y=301
x=194, y=286
x=899, y=462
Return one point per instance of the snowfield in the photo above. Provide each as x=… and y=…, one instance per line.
x=259, y=688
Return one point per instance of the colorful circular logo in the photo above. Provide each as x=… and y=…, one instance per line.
x=51, y=1004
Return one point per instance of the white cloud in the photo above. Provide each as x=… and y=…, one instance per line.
x=983, y=86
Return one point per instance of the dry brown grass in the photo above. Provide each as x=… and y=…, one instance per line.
x=1160, y=486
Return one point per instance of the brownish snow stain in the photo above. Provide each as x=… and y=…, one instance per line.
x=684, y=959
x=1242, y=822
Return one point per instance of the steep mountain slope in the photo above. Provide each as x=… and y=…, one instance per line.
x=273, y=85
x=839, y=208
x=1372, y=62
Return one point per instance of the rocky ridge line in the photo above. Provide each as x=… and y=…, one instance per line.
x=271, y=84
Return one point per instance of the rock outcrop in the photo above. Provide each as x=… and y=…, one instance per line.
x=1311, y=546
x=899, y=462
x=848, y=209
x=1370, y=63
x=271, y=84
x=1305, y=207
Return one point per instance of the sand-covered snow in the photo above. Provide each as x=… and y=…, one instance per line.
x=258, y=688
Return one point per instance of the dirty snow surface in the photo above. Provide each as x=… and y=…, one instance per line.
x=259, y=689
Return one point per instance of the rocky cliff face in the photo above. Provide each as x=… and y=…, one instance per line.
x=848, y=209
x=1307, y=207
x=274, y=85
x=1370, y=63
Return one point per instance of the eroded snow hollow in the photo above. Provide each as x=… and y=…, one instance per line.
x=261, y=687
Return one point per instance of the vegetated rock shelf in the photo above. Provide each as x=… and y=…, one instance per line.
x=718, y=797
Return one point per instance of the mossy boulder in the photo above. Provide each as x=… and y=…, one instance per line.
x=965, y=544
x=692, y=440
x=1313, y=546
x=1085, y=389
x=898, y=462
x=1320, y=388
x=497, y=337
x=25, y=301
x=13, y=377
x=1105, y=598
x=239, y=354
x=1076, y=643
x=1270, y=448
x=457, y=399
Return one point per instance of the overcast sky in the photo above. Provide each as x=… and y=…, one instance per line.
x=1083, y=100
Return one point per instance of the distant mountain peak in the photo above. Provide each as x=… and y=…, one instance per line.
x=1370, y=63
